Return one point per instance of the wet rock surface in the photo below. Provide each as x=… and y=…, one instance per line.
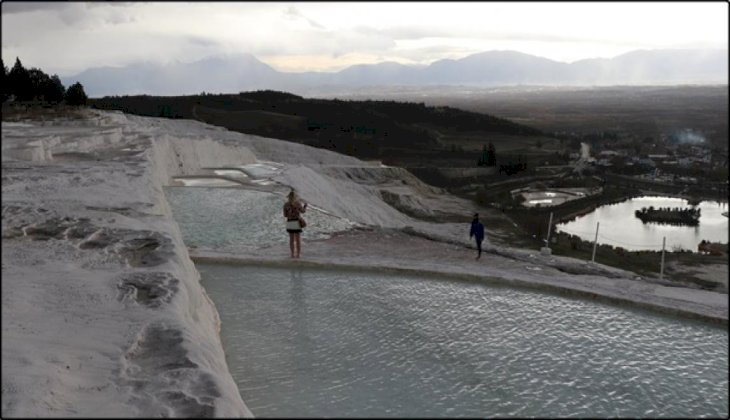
x=180, y=389
x=150, y=289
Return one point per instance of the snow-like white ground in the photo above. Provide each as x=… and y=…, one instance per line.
x=102, y=310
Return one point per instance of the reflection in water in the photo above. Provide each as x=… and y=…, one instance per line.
x=299, y=318
x=620, y=227
x=323, y=343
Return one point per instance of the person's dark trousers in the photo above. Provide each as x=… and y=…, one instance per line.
x=479, y=247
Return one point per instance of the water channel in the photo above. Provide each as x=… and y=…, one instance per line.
x=620, y=228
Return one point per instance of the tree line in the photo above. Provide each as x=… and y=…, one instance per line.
x=25, y=85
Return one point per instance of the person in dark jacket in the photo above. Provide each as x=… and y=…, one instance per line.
x=477, y=231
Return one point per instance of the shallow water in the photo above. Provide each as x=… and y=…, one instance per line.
x=621, y=228
x=233, y=219
x=319, y=343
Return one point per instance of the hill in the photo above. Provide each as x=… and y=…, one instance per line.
x=386, y=130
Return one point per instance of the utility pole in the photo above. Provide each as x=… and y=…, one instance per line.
x=661, y=268
x=546, y=249
x=595, y=242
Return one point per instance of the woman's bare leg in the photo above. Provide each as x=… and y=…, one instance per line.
x=291, y=243
x=299, y=243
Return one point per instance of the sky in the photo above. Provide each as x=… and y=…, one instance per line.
x=68, y=37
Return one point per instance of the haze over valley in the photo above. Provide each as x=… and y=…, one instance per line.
x=242, y=72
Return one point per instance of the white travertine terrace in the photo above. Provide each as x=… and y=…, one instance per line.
x=102, y=309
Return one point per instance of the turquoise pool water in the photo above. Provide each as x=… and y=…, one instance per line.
x=320, y=343
x=234, y=219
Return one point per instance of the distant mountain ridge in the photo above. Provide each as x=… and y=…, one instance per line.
x=245, y=72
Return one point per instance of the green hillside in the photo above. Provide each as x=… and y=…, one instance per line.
x=386, y=130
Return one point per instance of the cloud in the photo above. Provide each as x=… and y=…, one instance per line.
x=119, y=17
x=202, y=41
x=117, y=4
x=410, y=32
x=68, y=34
x=85, y=14
x=25, y=7
x=56, y=6
x=420, y=32
x=293, y=13
x=321, y=42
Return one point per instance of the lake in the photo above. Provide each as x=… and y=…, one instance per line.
x=621, y=228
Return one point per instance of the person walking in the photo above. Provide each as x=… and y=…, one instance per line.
x=477, y=231
x=294, y=222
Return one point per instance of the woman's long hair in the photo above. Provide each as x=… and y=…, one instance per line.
x=292, y=196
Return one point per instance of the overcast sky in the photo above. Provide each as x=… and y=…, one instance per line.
x=66, y=38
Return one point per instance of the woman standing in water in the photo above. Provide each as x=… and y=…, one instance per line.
x=294, y=222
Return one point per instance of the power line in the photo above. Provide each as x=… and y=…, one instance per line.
x=577, y=233
x=626, y=243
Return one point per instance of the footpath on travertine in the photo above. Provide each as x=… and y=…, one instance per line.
x=393, y=250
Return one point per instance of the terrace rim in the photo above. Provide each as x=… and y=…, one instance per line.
x=557, y=289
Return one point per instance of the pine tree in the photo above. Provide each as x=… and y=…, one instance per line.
x=4, y=81
x=38, y=82
x=75, y=95
x=54, y=91
x=19, y=82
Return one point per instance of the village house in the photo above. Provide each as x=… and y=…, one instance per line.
x=660, y=157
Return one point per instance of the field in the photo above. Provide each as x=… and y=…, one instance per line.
x=644, y=111
x=247, y=121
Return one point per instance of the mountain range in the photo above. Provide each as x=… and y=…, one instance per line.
x=492, y=68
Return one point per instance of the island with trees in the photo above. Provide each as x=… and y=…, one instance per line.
x=676, y=216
